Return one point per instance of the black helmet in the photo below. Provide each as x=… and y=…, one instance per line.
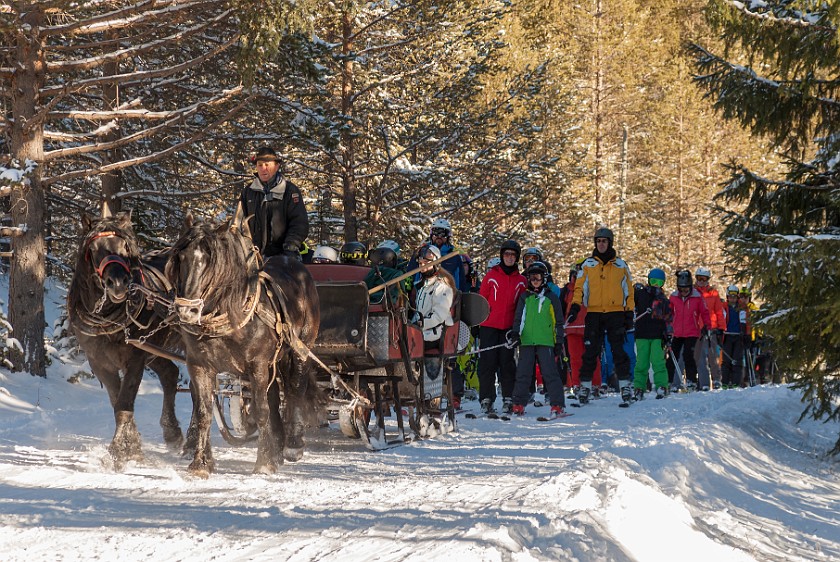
x=537, y=267
x=605, y=232
x=510, y=245
x=354, y=253
x=684, y=278
x=383, y=256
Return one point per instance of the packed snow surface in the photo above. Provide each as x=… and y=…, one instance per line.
x=708, y=476
x=725, y=475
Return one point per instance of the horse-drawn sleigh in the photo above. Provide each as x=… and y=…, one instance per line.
x=271, y=348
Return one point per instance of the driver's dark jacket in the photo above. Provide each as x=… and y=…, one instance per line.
x=279, y=216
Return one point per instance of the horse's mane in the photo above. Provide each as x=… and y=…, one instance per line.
x=226, y=273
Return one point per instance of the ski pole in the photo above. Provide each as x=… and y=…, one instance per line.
x=677, y=369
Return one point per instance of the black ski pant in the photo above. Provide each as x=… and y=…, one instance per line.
x=492, y=361
x=733, y=359
x=529, y=357
x=686, y=347
x=593, y=340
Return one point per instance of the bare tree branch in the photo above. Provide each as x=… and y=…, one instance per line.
x=179, y=115
x=95, y=62
x=151, y=157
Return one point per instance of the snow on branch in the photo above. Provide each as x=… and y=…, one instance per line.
x=139, y=76
x=155, y=156
x=175, y=117
x=70, y=28
x=129, y=17
x=800, y=20
x=94, y=62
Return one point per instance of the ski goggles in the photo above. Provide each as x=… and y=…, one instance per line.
x=442, y=232
x=656, y=282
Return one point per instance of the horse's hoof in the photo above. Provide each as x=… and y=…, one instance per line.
x=173, y=438
x=293, y=454
x=202, y=473
x=201, y=469
x=265, y=468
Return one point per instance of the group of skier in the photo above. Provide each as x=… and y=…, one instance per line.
x=569, y=338
x=566, y=337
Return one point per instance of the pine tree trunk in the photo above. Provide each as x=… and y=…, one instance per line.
x=111, y=182
x=348, y=178
x=28, y=272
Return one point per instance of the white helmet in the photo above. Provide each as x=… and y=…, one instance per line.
x=391, y=245
x=703, y=272
x=442, y=223
x=325, y=254
x=493, y=262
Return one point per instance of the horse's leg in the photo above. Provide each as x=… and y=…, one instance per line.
x=192, y=430
x=168, y=374
x=268, y=457
x=126, y=443
x=275, y=409
x=295, y=400
x=202, y=384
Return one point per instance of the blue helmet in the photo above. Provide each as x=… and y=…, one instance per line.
x=656, y=273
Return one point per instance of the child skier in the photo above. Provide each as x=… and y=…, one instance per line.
x=653, y=324
x=538, y=328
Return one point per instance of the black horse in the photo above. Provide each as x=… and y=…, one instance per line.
x=238, y=318
x=102, y=314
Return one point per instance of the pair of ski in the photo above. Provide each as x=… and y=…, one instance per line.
x=505, y=417
x=490, y=416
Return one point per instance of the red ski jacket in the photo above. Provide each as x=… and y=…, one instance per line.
x=715, y=306
x=501, y=291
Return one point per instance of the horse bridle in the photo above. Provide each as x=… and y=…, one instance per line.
x=110, y=258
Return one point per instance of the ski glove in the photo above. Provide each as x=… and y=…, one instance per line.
x=573, y=312
x=628, y=320
x=559, y=351
x=512, y=339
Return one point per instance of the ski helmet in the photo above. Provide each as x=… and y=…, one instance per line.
x=658, y=275
x=533, y=251
x=390, y=244
x=684, y=278
x=537, y=267
x=383, y=256
x=745, y=291
x=605, y=232
x=429, y=252
x=354, y=253
x=732, y=291
x=703, y=272
x=510, y=245
x=325, y=254
x=493, y=262
x=441, y=227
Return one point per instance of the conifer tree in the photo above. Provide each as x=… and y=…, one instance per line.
x=779, y=76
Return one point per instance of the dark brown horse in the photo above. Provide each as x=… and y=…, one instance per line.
x=232, y=322
x=102, y=315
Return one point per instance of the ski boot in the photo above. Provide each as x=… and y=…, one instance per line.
x=556, y=412
x=487, y=406
x=518, y=410
x=507, y=406
x=583, y=395
x=661, y=392
x=626, y=395
x=638, y=394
